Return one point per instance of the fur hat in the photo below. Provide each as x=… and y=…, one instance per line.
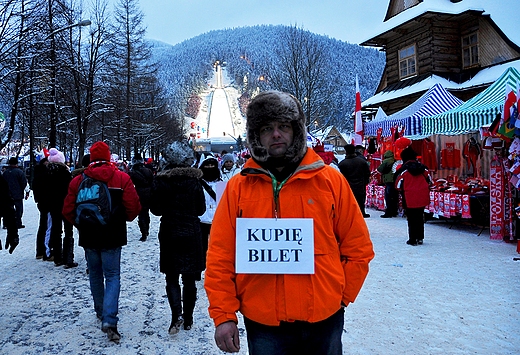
x=137, y=159
x=99, y=151
x=269, y=106
x=179, y=154
x=55, y=156
x=228, y=157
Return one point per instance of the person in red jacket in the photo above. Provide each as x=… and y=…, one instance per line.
x=413, y=181
x=103, y=244
x=284, y=187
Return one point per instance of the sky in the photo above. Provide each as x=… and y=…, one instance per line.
x=354, y=21
x=173, y=21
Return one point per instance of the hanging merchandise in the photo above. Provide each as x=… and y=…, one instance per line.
x=472, y=151
x=429, y=155
x=450, y=157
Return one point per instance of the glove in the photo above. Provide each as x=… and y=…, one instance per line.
x=11, y=241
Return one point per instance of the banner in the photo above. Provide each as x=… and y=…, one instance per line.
x=496, y=199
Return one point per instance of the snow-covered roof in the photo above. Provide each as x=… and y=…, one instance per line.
x=502, y=12
x=484, y=77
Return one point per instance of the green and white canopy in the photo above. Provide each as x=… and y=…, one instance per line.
x=479, y=111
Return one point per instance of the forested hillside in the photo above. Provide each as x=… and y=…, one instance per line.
x=319, y=70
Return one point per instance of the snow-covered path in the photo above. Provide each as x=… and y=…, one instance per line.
x=456, y=294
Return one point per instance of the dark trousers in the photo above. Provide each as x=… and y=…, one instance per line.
x=144, y=220
x=40, y=235
x=415, y=219
x=189, y=295
x=296, y=338
x=391, y=199
x=63, y=252
x=18, y=205
x=361, y=198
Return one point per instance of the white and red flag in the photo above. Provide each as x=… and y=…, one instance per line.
x=358, y=122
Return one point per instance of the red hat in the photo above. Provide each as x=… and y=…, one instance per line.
x=99, y=151
x=402, y=142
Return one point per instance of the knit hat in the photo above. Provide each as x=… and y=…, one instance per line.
x=137, y=159
x=99, y=151
x=269, y=106
x=179, y=154
x=55, y=156
x=228, y=157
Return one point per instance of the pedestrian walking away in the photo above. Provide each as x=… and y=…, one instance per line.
x=56, y=184
x=355, y=169
x=413, y=181
x=17, y=182
x=387, y=177
x=7, y=212
x=142, y=177
x=40, y=191
x=284, y=311
x=178, y=197
x=103, y=243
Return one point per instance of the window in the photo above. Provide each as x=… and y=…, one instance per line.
x=407, y=62
x=470, y=50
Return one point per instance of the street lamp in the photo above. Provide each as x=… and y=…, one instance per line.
x=54, y=113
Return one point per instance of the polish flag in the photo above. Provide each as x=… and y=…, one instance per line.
x=358, y=123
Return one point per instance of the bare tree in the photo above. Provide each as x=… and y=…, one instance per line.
x=299, y=69
x=130, y=66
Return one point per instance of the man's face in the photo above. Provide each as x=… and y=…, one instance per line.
x=276, y=137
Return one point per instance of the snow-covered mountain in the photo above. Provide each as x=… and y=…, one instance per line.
x=252, y=52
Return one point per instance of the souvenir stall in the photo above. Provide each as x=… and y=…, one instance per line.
x=407, y=122
x=482, y=158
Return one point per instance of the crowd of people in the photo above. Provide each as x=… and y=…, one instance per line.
x=204, y=202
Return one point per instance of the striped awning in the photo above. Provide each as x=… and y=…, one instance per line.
x=481, y=110
x=436, y=100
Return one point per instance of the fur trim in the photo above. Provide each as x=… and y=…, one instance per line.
x=189, y=172
x=279, y=106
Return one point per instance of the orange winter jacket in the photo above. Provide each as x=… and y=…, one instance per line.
x=342, y=247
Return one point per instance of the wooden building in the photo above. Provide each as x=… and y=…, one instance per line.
x=449, y=43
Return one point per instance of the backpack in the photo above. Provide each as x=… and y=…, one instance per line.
x=93, y=203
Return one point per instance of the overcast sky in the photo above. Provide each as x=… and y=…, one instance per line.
x=173, y=21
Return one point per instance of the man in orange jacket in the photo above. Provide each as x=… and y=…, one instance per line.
x=289, y=247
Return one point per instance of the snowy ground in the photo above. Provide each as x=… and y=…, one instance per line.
x=456, y=294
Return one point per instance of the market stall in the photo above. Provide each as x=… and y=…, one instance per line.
x=475, y=168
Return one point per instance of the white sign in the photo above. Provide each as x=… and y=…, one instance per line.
x=274, y=246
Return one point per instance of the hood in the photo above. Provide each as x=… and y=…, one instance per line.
x=414, y=167
x=181, y=171
x=101, y=171
x=269, y=106
x=388, y=154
